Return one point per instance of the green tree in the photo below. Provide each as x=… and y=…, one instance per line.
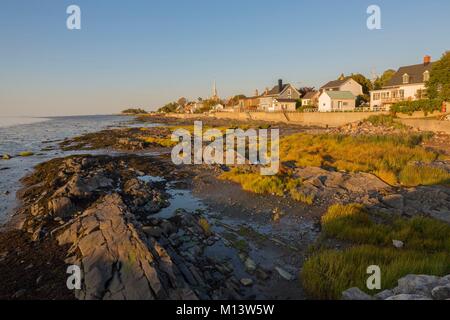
x=305, y=90
x=235, y=100
x=209, y=104
x=169, y=108
x=438, y=87
x=361, y=100
x=382, y=81
x=134, y=111
x=182, y=101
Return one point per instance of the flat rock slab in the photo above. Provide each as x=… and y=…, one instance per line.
x=116, y=262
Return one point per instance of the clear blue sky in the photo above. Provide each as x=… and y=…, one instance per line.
x=145, y=53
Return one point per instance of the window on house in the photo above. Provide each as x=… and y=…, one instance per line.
x=289, y=92
x=421, y=94
x=402, y=93
x=426, y=76
x=405, y=78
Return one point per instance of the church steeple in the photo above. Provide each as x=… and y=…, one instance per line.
x=215, y=95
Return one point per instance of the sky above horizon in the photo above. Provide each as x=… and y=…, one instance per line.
x=145, y=53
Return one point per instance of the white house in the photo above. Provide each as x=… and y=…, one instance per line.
x=336, y=101
x=407, y=84
x=343, y=85
x=218, y=107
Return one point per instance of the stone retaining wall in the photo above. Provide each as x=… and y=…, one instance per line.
x=428, y=125
x=321, y=119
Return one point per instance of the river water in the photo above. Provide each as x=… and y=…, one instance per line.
x=40, y=136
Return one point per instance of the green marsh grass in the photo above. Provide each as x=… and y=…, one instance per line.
x=383, y=156
x=368, y=241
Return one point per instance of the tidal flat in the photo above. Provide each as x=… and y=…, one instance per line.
x=112, y=202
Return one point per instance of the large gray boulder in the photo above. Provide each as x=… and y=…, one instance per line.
x=409, y=297
x=416, y=285
x=441, y=292
x=355, y=294
x=384, y=295
x=61, y=207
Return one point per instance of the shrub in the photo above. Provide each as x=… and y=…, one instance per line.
x=425, y=105
x=386, y=121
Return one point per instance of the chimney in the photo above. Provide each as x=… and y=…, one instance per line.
x=280, y=85
x=266, y=91
x=256, y=93
x=426, y=60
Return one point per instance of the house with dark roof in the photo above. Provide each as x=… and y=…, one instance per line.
x=407, y=84
x=343, y=84
x=282, y=97
x=334, y=101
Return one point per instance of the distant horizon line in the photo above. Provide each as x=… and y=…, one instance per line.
x=60, y=116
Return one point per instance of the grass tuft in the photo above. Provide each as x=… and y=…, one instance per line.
x=415, y=175
x=163, y=142
x=26, y=154
x=329, y=272
x=206, y=227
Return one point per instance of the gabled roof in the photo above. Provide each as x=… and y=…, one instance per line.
x=310, y=95
x=415, y=73
x=344, y=95
x=276, y=90
x=334, y=84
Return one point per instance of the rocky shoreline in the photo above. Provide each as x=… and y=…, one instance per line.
x=103, y=213
x=100, y=209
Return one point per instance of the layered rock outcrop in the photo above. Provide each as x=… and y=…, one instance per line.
x=101, y=208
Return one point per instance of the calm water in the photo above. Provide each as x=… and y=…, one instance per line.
x=40, y=136
x=14, y=121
